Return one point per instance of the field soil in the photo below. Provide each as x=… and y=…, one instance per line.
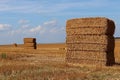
x=47, y=62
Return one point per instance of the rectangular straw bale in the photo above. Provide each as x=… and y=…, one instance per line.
x=96, y=55
x=90, y=41
x=90, y=30
x=99, y=39
x=29, y=40
x=30, y=44
x=108, y=57
x=89, y=22
x=87, y=47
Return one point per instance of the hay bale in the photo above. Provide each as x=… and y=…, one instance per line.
x=29, y=40
x=86, y=61
x=90, y=23
x=89, y=47
x=14, y=45
x=90, y=41
x=61, y=48
x=98, y=39
x=92, y=31
x=95, y=55
x=98, y=58
x=30, y=44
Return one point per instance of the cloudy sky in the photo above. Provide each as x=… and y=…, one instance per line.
x=46, y=19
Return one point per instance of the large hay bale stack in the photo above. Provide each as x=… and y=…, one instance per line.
x=90, y=41
x=30, y=43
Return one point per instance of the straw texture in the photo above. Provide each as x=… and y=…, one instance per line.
x=98, y=39
x=29, y=40
x=90, y=41
x=30, y=43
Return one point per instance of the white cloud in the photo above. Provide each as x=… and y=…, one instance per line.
x=36, y=29
x=50, y=23
x=25, y=26
x=48, y=27
x=23, y=21
x=4, y=27
x=43, y=32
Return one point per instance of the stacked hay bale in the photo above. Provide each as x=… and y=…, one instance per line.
x=30, y=43
x=90, y=41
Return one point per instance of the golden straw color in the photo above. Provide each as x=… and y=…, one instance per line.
x=30, y=43
x=98, y=39
x=90, y=41
x=29, y=40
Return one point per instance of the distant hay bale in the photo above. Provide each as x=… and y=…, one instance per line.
x=90, y=41
x=14, y=44
x=29, y=40
x=30, y=43
x=61, y=48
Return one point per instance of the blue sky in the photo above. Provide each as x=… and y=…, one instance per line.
x=46, y=19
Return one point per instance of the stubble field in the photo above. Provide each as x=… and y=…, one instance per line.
x=47, y=62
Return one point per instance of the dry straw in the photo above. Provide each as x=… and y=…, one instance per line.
x=91, y=55
x=92, y=31
x=90, y=47
x=29, y=40
x=30, y=43
x=98, y=39
x=90, y=41
x=90, y=23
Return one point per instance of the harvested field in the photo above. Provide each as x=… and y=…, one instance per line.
x=47, y=63
x=52, y=45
